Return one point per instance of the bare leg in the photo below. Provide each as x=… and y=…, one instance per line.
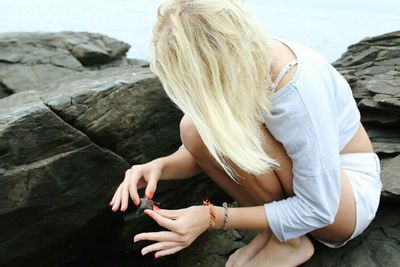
x=275, y=185
x=242, y=255
x=275, y=254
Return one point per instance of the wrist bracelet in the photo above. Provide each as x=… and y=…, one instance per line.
x=213, y=217
x=225, y=205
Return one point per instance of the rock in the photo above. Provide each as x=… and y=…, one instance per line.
x=65, y=149
x=122, y=108
x=55, y=181
x=377, y=246
x=385, y=140
x=372, y=67
x=32, y=60
x=391, y=178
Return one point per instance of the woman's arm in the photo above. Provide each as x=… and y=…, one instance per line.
x=178, y=165
x=250, y=218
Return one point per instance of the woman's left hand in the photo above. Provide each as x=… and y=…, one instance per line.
x=185, y=225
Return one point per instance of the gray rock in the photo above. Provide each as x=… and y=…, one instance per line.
x=124, y=109
x=54, y=182
x=372, y=67
x=377, y=246
x=65, y=149
x=391, y=178
x=32, y=60
x=385, y=140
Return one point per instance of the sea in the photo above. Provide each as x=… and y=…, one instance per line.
x=328, y=27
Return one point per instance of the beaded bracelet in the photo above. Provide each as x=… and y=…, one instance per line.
x=213, y=217
x=225, y=205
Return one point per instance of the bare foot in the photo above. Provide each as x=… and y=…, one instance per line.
x=242, y=255
x=286, y=254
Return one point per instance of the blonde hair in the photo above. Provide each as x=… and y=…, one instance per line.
x=213, y=60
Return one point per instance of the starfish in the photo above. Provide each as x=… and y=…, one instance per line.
x=146, y=203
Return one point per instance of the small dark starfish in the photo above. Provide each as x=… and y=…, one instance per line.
x=146, y=203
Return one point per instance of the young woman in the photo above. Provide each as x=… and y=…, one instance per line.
x=271, y=122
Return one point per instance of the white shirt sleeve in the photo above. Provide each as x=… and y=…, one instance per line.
x=308, y=130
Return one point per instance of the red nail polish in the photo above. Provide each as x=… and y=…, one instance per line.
x=150, y=195
x=155, y=207
x=156, y=256
x=136, y=201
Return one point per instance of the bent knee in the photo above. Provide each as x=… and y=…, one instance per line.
x=190, y=137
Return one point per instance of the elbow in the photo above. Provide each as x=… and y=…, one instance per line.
x=328, y=219
x=327, y=215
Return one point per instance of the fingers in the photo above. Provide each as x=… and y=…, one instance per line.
x=168, y=251
x=114, y=197
x=161, y=236
x=134, y=177
x=159, y=246
x=151, y=187
x=125, y=192
x=161, y=220
x=170, y=214
x=117, y=199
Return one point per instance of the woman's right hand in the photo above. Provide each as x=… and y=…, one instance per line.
x=139, y=176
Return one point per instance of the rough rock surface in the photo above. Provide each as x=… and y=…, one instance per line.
x=54, y=181
x=63, y=152
x=32, y=60
x=64, y=149
x=372, y=67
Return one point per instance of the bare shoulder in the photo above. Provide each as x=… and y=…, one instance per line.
x=281, y=55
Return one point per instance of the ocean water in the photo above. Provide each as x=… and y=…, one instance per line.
x=328, y=27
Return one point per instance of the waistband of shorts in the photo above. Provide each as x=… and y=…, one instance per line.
x=364, y=160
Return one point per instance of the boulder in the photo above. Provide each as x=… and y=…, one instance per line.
x=372, y=67
x=54, y=182
x=63, y=152
x=32, y=60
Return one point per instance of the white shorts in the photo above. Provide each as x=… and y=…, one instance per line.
x=363, y=171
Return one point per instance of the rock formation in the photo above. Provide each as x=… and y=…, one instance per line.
x=80, y=114
x=65, y=147
x=31, y=61
x=372, y=67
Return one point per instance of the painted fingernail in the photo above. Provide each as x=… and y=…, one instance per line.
x=155, y=207
x=150, y=195
x=156, y=256
x=136, y=201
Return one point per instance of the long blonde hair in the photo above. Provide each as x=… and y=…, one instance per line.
x=213, y=60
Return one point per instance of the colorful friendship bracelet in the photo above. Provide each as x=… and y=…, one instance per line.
x=213, y=217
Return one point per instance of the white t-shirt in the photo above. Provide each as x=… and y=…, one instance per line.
x=314, y=116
